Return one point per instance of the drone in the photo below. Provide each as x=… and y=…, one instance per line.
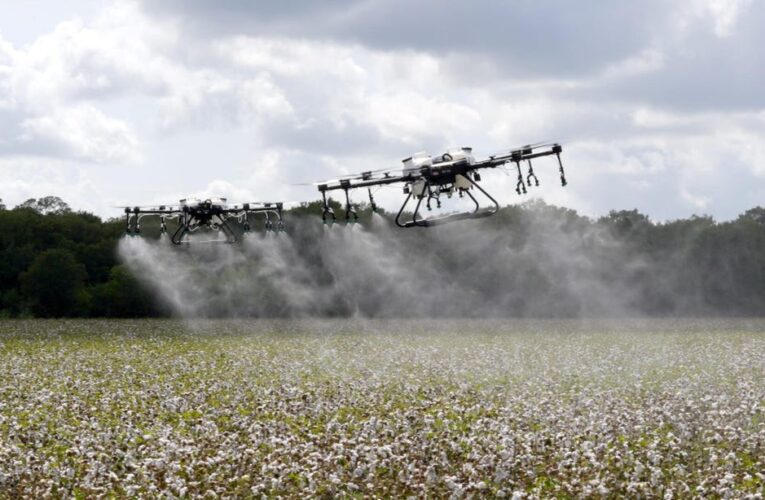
x=426, y=178
x=193, y=214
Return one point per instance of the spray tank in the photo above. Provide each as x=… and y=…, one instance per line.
x=413, y=165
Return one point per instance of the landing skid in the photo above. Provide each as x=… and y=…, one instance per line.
x=184, y=230
x=418, y=221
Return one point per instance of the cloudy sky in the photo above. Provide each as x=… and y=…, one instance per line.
x=659, y=104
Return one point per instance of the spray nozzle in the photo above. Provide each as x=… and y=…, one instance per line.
x=531, y=175
x=563, y=181
x=520, y=187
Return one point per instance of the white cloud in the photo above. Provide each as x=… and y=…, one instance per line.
x=32, y=177
x=85, y=133
x=206, y=98
x=402, y=96
x=648, y=60
x=725, y=14
x=55, y=83
x=141, y=96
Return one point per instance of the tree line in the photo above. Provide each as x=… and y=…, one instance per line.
x=528, y=260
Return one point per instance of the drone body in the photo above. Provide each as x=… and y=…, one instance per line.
x=193, y=214
x=427, y=178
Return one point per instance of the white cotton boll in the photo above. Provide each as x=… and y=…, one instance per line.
x=500, y=475
x=431, y=477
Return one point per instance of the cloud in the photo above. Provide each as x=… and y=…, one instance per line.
x=723, y=13
x=51, y=87
x=24, y=177
x=694, y=45
x=83, y=132
x=538, y=37
x=208, y=99
x=658, y=104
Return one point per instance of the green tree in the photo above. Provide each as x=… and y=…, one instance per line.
x=53, y=286
x=756, y=214
x=121, y=297
x=47, y=205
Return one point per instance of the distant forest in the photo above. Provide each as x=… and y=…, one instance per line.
x=56, y=262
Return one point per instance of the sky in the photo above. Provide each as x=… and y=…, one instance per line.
x=659, y=105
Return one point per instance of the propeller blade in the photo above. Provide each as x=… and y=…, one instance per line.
x=152, y=208
x=265, y=204
x=527, y=147
x=361, y=176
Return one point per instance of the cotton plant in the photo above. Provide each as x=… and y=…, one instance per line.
x=455, y=409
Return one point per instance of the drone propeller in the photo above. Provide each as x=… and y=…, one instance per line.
x=527, y=147
x=284, y=204
x=537, y=145
x=361, y=176
x=266, y=204
x=150, y=208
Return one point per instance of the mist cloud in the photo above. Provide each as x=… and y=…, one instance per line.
x=539, y=261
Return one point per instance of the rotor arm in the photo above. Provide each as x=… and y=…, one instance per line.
x=266, y=209
x=524, y=154
x=517, y=155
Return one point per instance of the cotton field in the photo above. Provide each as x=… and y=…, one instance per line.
x=382, y=408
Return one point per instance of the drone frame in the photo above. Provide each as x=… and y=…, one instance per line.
x=190, y=218
x=436, y=179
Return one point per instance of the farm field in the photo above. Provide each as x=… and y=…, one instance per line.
x=658, y=408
